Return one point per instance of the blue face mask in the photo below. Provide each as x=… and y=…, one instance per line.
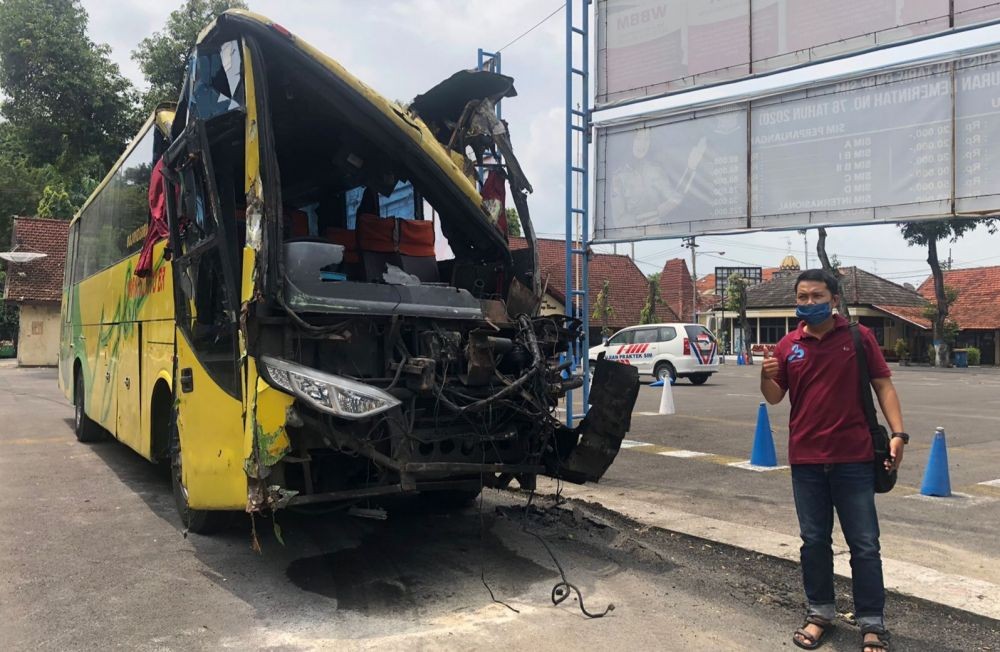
x=814, y=314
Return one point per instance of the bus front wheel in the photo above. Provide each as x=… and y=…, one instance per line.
x=87, y=430
x=199, y=521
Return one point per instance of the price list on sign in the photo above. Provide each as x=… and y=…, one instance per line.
x=728, y=183
x=977, y=117
x=852, y=147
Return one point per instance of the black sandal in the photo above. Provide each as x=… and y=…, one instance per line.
x=882, y=643
x=812, y=642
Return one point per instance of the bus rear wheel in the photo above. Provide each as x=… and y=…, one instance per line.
x=199, y=521
x=87, y=430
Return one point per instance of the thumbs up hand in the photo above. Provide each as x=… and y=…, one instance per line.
x=769, y=368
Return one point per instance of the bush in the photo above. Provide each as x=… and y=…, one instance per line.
x=974, y=355
x=902, y=349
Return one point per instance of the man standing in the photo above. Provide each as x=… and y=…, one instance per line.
x=831, y=454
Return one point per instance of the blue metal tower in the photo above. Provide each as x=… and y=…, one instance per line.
x=578, y=187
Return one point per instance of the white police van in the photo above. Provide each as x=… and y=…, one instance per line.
x=664, y=350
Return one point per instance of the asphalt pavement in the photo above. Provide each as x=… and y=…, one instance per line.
x=93, y=557
x=690, y=461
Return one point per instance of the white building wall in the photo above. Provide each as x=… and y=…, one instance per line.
x=38, y=338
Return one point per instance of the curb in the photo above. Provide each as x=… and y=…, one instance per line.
x=956, y=591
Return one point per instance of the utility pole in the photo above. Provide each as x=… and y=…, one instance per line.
x=690, y=244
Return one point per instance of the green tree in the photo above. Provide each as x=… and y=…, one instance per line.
x=8, y=319
x=648, y=313
x=927, y=234
x=21, y=188
x=162, y=57
x=603, y=309
x=513, y=223
x=736, y=300
x=66, y=101
x=55, y=202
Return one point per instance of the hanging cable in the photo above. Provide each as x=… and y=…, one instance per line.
x=532, y=28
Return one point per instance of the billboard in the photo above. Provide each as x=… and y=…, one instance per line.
x=672, y=177
x=649, y=47
x=908, y=144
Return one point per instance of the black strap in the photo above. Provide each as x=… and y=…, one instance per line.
x=864, y=381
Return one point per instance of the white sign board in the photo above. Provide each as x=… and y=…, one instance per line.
x=672, y=177
x=649, y=47
x=878, y=149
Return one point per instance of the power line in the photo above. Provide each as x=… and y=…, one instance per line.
x=532, y=28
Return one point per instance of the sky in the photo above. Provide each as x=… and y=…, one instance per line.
x=402, y=48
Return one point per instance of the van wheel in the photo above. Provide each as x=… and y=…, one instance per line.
x=87, y=430
x=665, y=371
x=199, y=521
x=698, y=379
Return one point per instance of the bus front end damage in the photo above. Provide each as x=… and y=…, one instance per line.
x=393, y=323
x=446, y=406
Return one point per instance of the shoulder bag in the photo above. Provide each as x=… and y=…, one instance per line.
x=884, y=480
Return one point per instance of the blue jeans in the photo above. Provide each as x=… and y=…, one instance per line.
x=818, y=489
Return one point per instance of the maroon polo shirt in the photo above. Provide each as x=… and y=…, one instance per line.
x=827, y=423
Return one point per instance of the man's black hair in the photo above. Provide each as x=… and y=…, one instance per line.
x=819, y=275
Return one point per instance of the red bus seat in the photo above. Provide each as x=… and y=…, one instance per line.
x=407, y=244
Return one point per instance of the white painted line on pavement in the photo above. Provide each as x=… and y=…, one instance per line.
x=956, y=499
x=631, y=443
x=745, y=395
x=747, y=466
x=683, y=453
x=991, y=483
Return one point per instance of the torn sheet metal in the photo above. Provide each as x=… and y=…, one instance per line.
x=599, y=436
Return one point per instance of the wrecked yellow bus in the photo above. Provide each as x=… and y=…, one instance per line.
x=258, y=293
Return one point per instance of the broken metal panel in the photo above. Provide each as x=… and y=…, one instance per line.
x=593, y=445
x=268, y=440
x=445, y=102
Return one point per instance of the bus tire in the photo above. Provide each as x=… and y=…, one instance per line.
x=698, y=379
x=87, y=430
x=665, y=371
x=199, y=521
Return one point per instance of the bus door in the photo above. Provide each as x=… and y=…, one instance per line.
x=207, y=377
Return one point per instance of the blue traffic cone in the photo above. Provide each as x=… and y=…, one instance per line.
x=657, y=383
x=763, y=444
x=936, y=481
x=739, y=360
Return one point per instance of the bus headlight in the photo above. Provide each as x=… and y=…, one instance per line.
x=334, y=394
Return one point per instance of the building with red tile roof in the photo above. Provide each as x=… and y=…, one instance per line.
x=976, y=309
x=892, y=311
x=629, y=286
x=677, y=289
x=36, y=287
